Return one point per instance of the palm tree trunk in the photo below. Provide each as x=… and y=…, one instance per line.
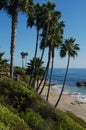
x=42, y=78
x=42, y=58
x=22, y=62
x=50, y=76
x=36, y=48
x=13, y=41
x=49, y=57
x=45, y=42
x=26, y=62
x=63, y=82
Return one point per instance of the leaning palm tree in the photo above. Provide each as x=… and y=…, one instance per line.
x=55, y=41
x=71, y=49
x=12, y=7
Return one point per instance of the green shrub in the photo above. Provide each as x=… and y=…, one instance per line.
x=22, y=73
x=45, y=110
x=11, y=121
x=16, y=95
x=33, y=119
x=3, y=127
x=19, y=70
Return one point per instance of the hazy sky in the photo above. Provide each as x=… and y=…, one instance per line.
x=74, y=17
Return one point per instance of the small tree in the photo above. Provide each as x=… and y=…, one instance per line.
x=3, y=65
x=29, y=69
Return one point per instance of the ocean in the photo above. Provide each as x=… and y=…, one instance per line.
x=74, y=75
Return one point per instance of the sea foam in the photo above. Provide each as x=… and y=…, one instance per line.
x=78, y=96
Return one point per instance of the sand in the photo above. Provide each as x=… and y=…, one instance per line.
x=67, y=103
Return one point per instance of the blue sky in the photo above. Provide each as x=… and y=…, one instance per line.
x=74, y=16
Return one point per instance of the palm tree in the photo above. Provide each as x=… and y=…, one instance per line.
x=71, y=49
x=41, y=19
x=22, y=56
x=35, y=20
x=12, y=7
x=55, y=41
x=51, y=18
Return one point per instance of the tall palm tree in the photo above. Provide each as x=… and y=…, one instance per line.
x=55, y=40
x=71, y=49
x=49, y=19
x=12, y=7
x=35, y=19
x=52, y=17
x=40, y=19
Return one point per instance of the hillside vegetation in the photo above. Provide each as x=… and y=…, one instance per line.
x=22, y=109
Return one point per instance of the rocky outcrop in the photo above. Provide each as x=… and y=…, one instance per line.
x=81, y=83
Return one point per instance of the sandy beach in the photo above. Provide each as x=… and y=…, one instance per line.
x=67, y=103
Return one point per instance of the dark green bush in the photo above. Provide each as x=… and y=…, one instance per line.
x=45, y=110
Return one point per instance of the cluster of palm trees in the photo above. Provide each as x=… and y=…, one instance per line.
x=49, y=30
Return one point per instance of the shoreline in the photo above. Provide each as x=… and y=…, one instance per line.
x=68, y=102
